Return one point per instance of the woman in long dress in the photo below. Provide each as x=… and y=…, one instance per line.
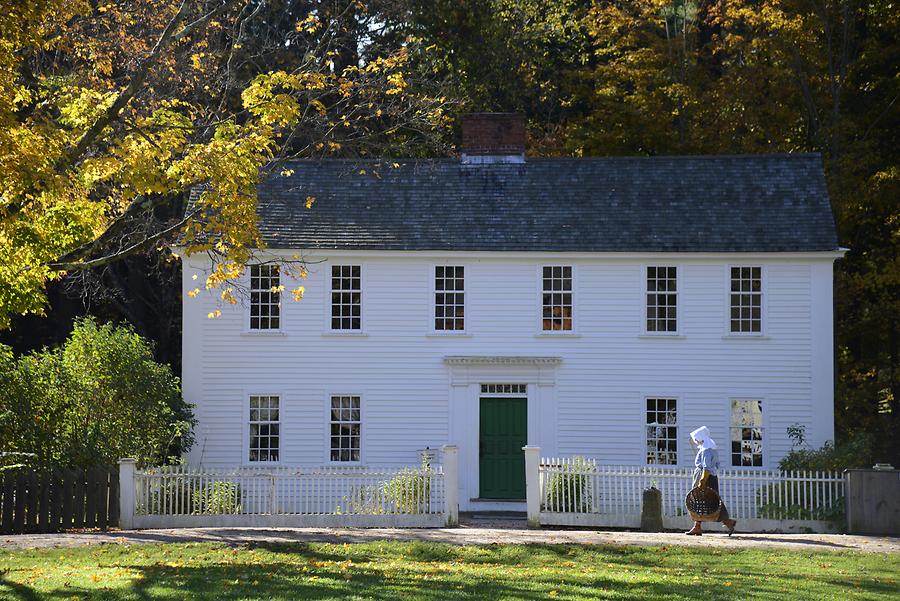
x=707, y=471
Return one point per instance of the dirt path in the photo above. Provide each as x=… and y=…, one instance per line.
x=475, y=532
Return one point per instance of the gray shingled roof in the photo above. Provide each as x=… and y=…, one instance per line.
x=693, y=204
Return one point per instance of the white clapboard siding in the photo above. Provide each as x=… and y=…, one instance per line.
x=594, y=405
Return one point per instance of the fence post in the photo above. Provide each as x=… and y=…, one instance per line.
x=533, y=485
x=126, y=493
x=451, y=485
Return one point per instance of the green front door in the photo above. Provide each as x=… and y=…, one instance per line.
x=503, y=432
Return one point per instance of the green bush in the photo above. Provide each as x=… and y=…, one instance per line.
x=98, y=397
x=774, y=501
x=570, y=489
x=857, y=452
x=409, y=492
x=825, y=506
x=218, y=498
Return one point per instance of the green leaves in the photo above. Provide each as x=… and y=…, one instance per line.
x=98, y=397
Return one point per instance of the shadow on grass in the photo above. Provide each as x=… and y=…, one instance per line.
x=431, y=572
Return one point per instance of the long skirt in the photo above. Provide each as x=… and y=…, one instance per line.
x=713, y=483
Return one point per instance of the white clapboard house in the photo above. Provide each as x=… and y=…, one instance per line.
x=601, y=307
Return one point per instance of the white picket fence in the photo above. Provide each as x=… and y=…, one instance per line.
x=289, y=496
x=575, y=491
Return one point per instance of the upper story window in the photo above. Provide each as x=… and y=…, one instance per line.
x=662, y=431
x=746, y=300
x=346, y=297
x=264, y=428
x=662, y=299
x=346, y=425
x=265, y=297
x=557, y=298
x=746, y=433
x=449, y=298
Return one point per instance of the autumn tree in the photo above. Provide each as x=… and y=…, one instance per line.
x=112, y=111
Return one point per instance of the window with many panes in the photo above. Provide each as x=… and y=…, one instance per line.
x=746, y=300
x=449, y=298
x=513, y=389
x=265, y=297
x=746, y=433
x=346, y=297
x=662, y=299
x=557, y=298
x=346, y=425
x=264, y=428
x=662, y=431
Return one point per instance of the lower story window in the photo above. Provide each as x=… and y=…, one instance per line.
x=746, y=433
x=264, y=428
x=346, y=425
x=662, y=432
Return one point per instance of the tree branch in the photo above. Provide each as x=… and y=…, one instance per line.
x=119, y=254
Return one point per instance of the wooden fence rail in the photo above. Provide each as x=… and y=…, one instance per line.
x=59, y=499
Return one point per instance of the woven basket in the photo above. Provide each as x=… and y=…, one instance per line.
x=704, y=504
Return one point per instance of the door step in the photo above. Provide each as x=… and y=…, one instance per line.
x=511, y=516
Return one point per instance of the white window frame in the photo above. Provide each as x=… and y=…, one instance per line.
x=248, y=311
x=764, y=297
x=245, y=452
x=362, y=428
x=763, y=427
x=362, y=299
x=679, y=314
x=677, y=426
x=541, y=332
x=434, y=293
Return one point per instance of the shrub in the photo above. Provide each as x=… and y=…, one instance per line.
x=98, y=397
x=856, y=452
x=218, y=498
x=776, y=500
x=569, y=489
x=409, y=492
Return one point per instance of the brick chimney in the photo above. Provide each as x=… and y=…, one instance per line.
x=493, y=138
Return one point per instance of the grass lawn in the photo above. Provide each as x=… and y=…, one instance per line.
x=393, y=570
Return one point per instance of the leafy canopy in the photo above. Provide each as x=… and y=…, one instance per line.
x=112, y=111
x=97, y=398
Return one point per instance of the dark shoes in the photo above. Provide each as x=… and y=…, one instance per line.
x=730, y=524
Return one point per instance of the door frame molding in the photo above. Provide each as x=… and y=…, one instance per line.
x=465, y=374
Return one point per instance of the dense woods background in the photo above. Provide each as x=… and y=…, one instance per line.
x=627, y=77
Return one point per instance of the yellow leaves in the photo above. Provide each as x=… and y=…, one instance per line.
x=79, y=107
x=214, y=314
x=309, y=25
x=287, y=172
x=553, y=593
x=396, y=82
x=297, y=293
x=228, y=296
x=193, y=293
x=268, y=97
x=197, y=60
